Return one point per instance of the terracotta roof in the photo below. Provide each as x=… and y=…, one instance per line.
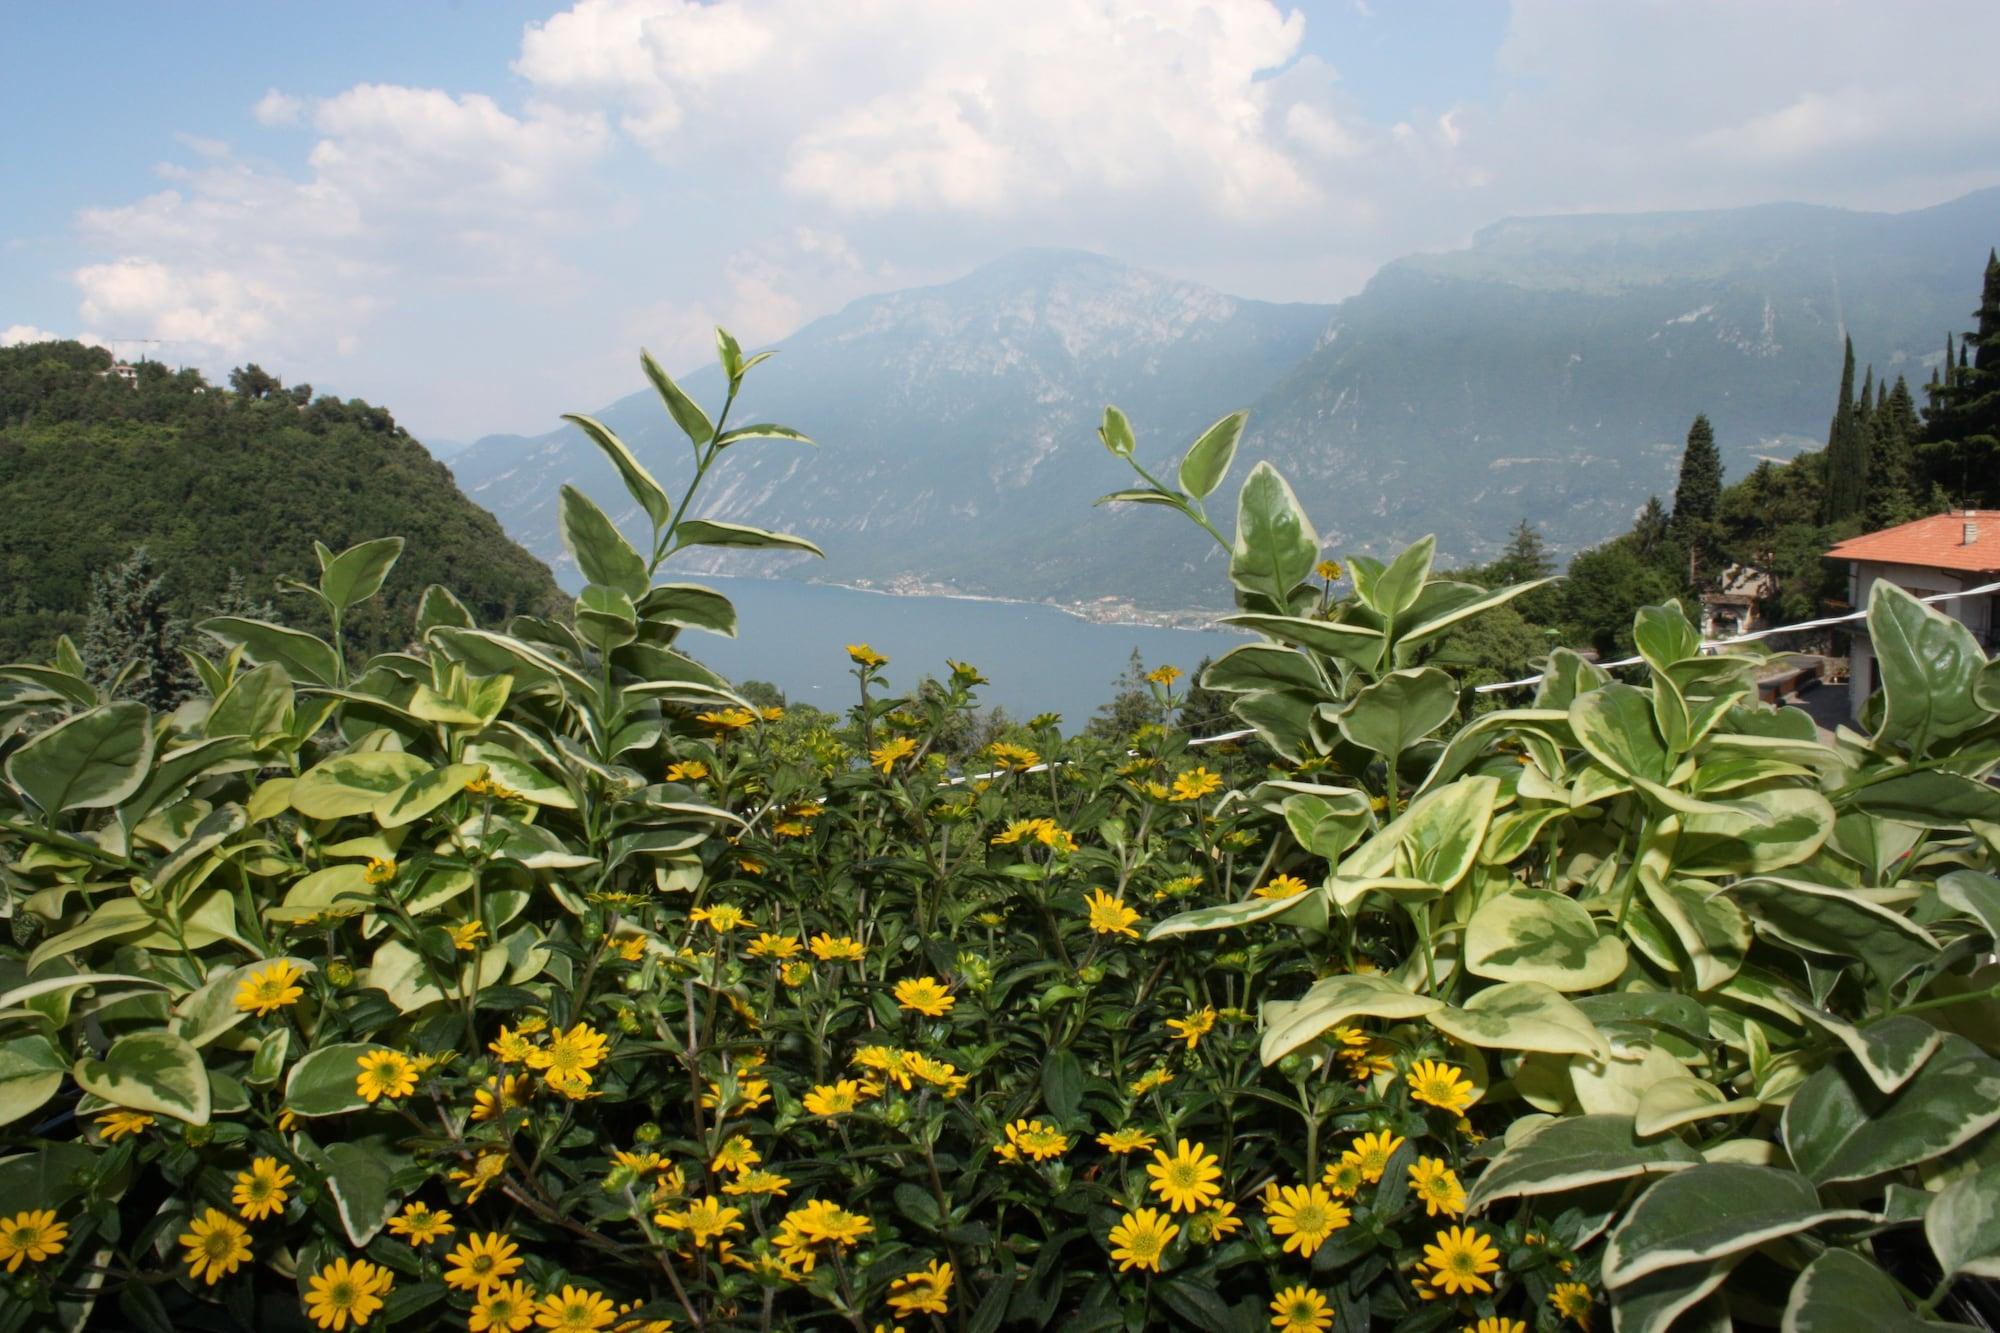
x=1937, y=542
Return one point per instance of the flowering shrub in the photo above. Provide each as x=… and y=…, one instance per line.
x=529, y=979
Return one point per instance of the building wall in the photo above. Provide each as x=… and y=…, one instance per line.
x=1979, y=614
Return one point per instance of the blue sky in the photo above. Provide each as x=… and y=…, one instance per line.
x=476, y=212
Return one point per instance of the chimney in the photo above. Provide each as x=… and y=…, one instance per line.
x=1971, y=529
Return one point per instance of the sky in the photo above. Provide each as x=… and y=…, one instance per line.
x=475, y=213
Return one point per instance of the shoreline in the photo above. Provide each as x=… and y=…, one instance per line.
x=1192, y=619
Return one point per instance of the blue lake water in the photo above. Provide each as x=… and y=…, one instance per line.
x=1039, y=659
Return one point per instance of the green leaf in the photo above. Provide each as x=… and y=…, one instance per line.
x=303, y=656
x=93, y=760
x=324, y=1082
x=354, y=783
x=1888, y=1050
x=606, y=618
x=601, y=551
x=1928, y=798
x=1675, y=1300
x=31, y=1071
x=359, y=1177
x=1928, y=664
x=1839, y=921
x=1976, y=895
x=211, y=1011
x=1614, y=725
x=1350, y=643
x=1397, y=711
x=1208, y=459
x=1290, y=1024
x=1538, y=935
x=1710, y=1212
x=256, y=705
x=712, y=532
x=1434, y=613
x=1522, y=1016
x=1713, y=932
x=1841, y=1292
x=356, y=574
x=1275, y=547
x=1260, y=666
x=1396, y=589
x=1062, y=1084
x=1305, y=909
x=1663, y=635
x=1963, y=1225
x=1116, y=432
x=689, y=604
x=1327, y=825
x=763, y=430
x=1282, y=718
x=155, y=1071
x=1684, y=1100
x=1762, y=832
x=425, y=793
x=1138, y=495
x=638, y=482
x=438, y=606
x=1839, y=1126
x=687, y=414
x=1573, y=1153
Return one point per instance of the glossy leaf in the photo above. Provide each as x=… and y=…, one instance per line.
x=1710, y=1212
x=1928, y=664
x=1208, y=459
x=157, y=1072
x=1390, y=715
x=1572, y=1154
x=711, y=532
x=1289, y=1025
x=1536, y=935
x=1521, y=1016
x=93, y=760
x=1963, y=1225
x=305, y=657
x=1275, y=546
x=687, y=413
x=600, y=550
x=1841, y=1292
x=1839, y=1126
x=357, y=574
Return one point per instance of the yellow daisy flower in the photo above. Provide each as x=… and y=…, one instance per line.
x=217, y=1244
x=269, y=988
x=31, y=1237
x=260, y=1191
x=1140, y=1238
x=1186, y=1180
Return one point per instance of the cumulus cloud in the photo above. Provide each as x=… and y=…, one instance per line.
x=908, y=105
x=401, y=185
x=16, y=334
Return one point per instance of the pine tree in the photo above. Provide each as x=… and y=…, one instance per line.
x=1846, y=462
x=1650, y=532
x=236, y=599
x=1696, y=496
x=1525, y=559
x=130, y=623
x=1988, y=358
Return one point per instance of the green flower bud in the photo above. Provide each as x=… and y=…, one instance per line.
x=649, y=1132
x=200, y=1136
x=339, y=975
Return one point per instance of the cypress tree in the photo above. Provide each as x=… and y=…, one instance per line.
x=1988, y=358
x=1961, y=442
x=1846, y=464
x=131, y=624
x=1697, y=496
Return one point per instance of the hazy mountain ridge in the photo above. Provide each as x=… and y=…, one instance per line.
x=1547, y=371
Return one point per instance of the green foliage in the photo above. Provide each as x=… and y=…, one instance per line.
x=224, y=488
x=132, y=640
x=749, y=1016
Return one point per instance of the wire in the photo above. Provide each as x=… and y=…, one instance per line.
x=1536, y=679
x=1748, y=638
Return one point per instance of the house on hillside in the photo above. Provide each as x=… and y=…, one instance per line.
x=1941, y=554
x=1730, y=608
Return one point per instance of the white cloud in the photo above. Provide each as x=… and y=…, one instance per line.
x=985, y=109
x=277, y=108
x=402, y=187
x=16, y=334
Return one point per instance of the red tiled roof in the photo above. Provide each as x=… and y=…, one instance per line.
x=1937, y=542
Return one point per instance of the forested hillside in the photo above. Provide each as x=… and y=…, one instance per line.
x=218, y=483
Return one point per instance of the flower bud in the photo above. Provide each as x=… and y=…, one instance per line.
x=339, y=975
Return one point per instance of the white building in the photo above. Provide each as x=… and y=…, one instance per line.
x=1940, y=554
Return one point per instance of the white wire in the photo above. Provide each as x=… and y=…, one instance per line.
x=1536, y=679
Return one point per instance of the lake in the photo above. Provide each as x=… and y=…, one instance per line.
x=1039, y=659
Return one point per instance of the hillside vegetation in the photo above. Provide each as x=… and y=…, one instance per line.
x=216, y=483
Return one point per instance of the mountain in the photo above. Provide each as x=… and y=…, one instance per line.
x=1551, y=370
x=955, y=423
x=215, y=483
x=1547, y=371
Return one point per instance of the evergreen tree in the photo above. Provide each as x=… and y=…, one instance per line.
x=1525, y=559
x=1846, y=463
x=236, y=599
x=1649, y=534
x=1891, y=488
x=131, y=624
x=1960, y=451
x=1699, y=491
